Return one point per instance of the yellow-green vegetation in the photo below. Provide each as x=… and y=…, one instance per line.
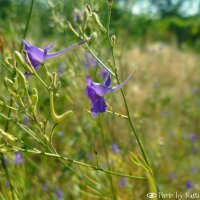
x=146, y=141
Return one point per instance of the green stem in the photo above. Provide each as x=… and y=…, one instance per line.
x=51, y=138
x=102, y=64
x=9, y=112
x=132, y=126
x=107, y=160
x=38, y=77
x=26, y=129
x=27, y=23
x=81, y=163
x=125, y=101
x=122, y=92
x=7, y=175
x=5, y=67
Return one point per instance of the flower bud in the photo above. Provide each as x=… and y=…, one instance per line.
x=34, y=101
x=15, y=86
x=93, y=36
x=110, y=63
x=96, y=18
x=72, y=29
x=20, y=59
x=89, y=8
x=86, y=14
x=113, y=40
x=53, y=79
x=34, y=96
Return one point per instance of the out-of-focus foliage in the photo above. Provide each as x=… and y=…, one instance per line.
x=163, y=97
x=168, y=22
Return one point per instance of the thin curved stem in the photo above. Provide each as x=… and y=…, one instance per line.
x=27, y=23
x=81, y=163
x=122, y=92
x=125, y=101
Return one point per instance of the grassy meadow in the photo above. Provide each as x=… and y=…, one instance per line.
x=145, y=142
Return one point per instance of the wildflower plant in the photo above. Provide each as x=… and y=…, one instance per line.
x=35, y=99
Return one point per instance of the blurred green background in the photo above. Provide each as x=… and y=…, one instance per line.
x=162, y=38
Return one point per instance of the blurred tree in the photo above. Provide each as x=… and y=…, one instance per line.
x=166, y=8
x=4, y=8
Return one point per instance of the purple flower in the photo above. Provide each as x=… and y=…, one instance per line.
x=104, y=74
x=78, y=15
x=18, y=158
x=59, y=194
x=194, y=150
x=193, y=169
x=189, y=185
x=96, y=92
x=90, y=61
x=61, y=69
x=171, y=176
x=7, y=184
x=115, y=148
x=26, y=120
x=45, y=187
x=194, y=137
x=122, y=182
x=37, y=56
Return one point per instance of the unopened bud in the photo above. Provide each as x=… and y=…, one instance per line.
x=53, y=79
x=93, y=36
x=96, y=18
x=34, y=101
x=21, y=60
x=89, y=9
x=34, y=96
x=86, y=14
x=15, y=86
x=72, y=29
x=110, y=63
x=113, y=40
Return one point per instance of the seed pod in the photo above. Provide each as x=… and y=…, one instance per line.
x=58, y=118
x=15, y=86
x=34, y=101
x=53, y=79
x=34, y=96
